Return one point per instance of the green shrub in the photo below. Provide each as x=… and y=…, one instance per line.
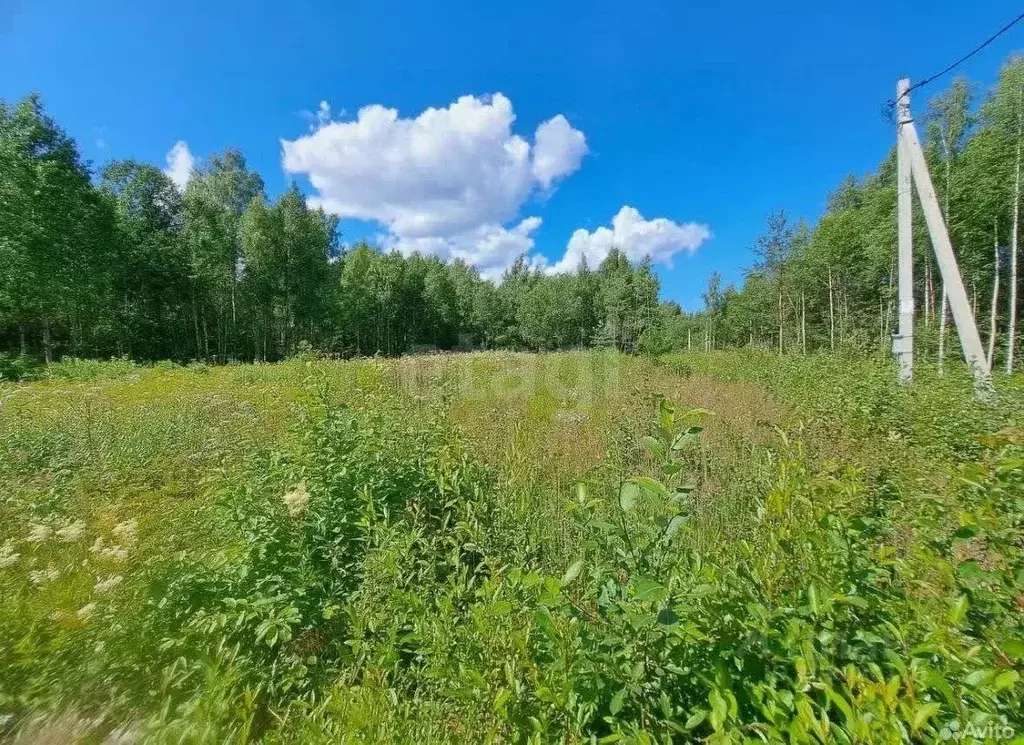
x=17, y=367
x=365, y=578
x=75, y=368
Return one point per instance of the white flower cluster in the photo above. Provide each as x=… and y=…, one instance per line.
x=296, y=499
x=38, y=532
x=126, y=534
x=71, y=531
x=42, y=576
x=67, y=531
x=108, y=583
x=115, y=552
x=8, y=556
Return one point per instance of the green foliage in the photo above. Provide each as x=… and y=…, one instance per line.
x=75, y=368
x=832, y=286
x=219, y=272
x=366, y=575
x=17, y=367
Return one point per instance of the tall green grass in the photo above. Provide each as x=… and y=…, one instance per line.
x=504, y=547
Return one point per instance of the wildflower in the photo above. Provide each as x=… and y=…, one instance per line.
x=102, y=585
x=38, y=533
x=71, y=532
x=41, y=576
x=117, y=553
x=126, y=531
x=86, y=611
x=8, y=556
x=296, y=499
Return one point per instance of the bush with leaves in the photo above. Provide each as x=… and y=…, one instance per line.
x=17, y=367
x=363, y=581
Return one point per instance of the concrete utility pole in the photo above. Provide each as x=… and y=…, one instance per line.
x=903, y=342
x=909, y=149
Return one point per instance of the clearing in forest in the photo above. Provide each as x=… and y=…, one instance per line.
x=498, y=546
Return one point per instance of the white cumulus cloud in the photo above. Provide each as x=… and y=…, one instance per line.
x=660, y=238
x=447, y=182
x=180, y=164
x=558, y=150
x=490, y=248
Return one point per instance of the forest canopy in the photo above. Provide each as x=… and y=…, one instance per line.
x=118, y=262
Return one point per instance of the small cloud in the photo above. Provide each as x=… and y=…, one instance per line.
x=100, y=134
x=558, y=150
x=659, y=238
x=180, y=164
x=323, y=115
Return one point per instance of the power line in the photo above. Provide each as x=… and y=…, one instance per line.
x=892, y=103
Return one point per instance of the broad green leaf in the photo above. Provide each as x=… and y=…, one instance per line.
x=923, y=714
x=628, y=495
x=1005, y=679
x=500, y=608
x=696, y=719
x=667, y=413
x=978, y=677
x=956, y=611
x=617, y=701
x=719, y=707
x=572, y=572
x=656, y=448
x=855, y=600
x=645, y=588
x=652, y=485
x=673, y=527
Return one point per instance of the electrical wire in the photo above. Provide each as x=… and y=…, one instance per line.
x=891, y=103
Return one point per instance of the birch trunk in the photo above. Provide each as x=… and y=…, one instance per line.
x=844, y=320
x=1011, y=337
x=927, y=293
x=781, y=325
x=803, y=324
x=942, y=327
x=995, y=295
x=881, y=324
x=831, y=313
x=888, y=306
x=47, y=342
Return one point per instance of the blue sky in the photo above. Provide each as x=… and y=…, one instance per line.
x=713, y=114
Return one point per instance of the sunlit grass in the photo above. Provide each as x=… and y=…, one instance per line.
x=143, y=508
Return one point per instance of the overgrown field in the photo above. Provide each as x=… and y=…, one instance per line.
x=499, y=547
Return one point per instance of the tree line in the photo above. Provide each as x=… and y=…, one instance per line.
x=120, y=262
x=833, y=285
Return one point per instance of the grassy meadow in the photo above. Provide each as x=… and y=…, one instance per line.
x=503, y=547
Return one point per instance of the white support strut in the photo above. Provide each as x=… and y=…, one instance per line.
x=963, y=317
